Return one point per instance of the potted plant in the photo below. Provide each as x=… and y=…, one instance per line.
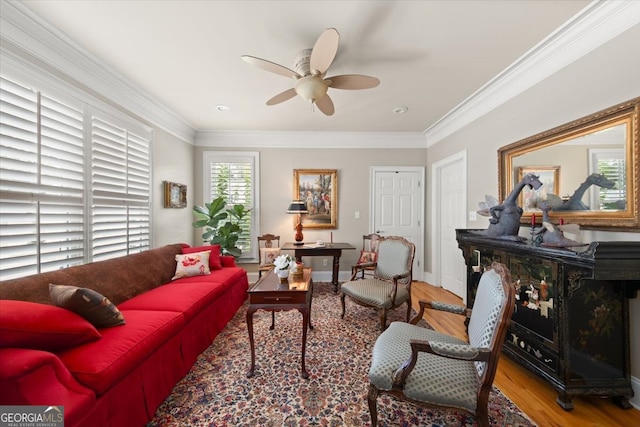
x=282, y=265
x=221, y=225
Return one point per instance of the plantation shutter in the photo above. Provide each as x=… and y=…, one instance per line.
x=120, y=179
x=611, y=164
x=41, y=182
x=74, y=184
x=613, y=198
x=233, y=179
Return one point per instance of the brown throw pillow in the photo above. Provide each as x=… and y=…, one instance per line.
x=91, y=305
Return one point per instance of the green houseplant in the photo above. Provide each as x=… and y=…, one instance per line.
x=221, y=225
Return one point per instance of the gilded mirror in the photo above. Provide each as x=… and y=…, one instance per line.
x=589, y=166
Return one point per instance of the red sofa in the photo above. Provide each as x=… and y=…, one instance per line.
x=119, y=376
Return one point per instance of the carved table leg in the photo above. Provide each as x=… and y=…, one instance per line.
x=273, y=321
x=305, y=326
x=622, y=402
x=250, y=312
x=564, y=400
x=336, y=271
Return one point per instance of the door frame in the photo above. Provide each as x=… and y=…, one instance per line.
x=435, y=278
x=420, y=170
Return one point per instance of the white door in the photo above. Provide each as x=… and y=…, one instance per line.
x=450, y=213
x=398, y=208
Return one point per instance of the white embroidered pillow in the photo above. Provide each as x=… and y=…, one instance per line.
x=195, y=264
x=268, y=255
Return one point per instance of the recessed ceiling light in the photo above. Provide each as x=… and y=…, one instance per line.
x=222, y=108
x=400, y=110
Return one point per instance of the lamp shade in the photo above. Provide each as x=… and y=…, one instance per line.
x=297, y=207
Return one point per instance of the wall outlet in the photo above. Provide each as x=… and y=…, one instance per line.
x=357, y=214
x=473, y=216
x=324, y=263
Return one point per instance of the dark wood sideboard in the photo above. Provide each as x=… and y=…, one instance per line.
x=571, y=321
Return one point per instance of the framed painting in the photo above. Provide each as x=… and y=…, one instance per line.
x=550, y=178
x=318, y=189
x=175, y=195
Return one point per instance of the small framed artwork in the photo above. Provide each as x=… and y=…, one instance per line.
x=550, y=178
x=318, y=189
x=175, y=195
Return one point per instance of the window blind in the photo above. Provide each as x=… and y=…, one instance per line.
x=611, y=164
x=120, y=183
x=47, y=197
x=232, y=177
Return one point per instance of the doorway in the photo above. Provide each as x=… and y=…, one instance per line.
x=397, y=207
x=449, y=196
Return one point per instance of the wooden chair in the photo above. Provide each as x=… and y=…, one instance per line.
x=429, y=368
x=390, y=285
x=369, y=253
x=269, y=248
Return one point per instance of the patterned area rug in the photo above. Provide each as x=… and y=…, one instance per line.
x=216, y=392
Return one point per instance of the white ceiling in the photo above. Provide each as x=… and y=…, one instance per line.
x=429, y=55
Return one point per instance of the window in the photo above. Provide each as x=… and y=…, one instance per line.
x=120, y=182
x=68, y=195
x=611, y=164
x=232, y=175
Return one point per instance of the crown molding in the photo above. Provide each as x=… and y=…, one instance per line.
x=329, y=140
x=593, y=26
x=31, y=37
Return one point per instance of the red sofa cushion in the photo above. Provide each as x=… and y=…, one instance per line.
x=226, y=275
x=187, y=298
x=100, y=364
x=214, y=258
x=42, y=327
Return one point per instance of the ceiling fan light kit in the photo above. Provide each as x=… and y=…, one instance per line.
x=311, y=66
x=311, y=88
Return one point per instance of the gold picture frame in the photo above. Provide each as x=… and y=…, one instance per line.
x=318, y=189
x=175, y=195
x=549, y=176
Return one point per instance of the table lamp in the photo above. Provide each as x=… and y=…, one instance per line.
x=298, y=207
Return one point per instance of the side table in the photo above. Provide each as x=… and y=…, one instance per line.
x=271, y=294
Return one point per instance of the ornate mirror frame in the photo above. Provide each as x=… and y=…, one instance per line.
x=571, y=148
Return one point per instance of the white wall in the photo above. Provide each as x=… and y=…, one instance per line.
x=276, y=189
x=605, y=77
x=172, y=161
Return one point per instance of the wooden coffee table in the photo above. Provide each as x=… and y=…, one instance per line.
x=270, y=294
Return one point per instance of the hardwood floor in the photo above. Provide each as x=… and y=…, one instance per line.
x=533, y=395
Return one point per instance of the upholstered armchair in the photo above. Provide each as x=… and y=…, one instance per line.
x=430, y=368
x=390, y=286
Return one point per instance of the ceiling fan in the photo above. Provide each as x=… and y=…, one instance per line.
x=311, y=66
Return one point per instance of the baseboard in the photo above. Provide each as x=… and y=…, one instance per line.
x=428, y=277
x=635, y=385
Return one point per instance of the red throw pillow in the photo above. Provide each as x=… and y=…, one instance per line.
x=42, y=327
x=214, y=259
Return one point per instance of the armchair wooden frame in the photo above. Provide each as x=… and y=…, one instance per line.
x=267, y=241
x=369, y=244
x=466, y=352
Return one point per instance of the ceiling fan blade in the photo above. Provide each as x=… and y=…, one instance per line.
x=324, y=51
x=281, y=97
x=353, y=81
x=270, y=66
x=325, y=104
